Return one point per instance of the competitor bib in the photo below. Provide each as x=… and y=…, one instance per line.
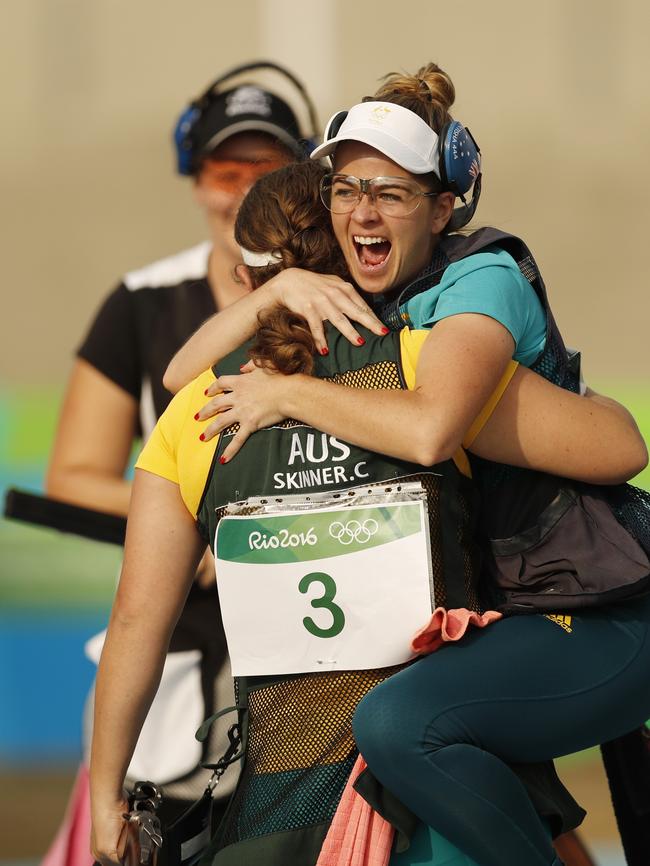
x=330, y=588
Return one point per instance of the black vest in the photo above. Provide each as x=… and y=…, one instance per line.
x=553, y=543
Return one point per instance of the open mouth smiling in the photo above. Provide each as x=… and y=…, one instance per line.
x=372, y=250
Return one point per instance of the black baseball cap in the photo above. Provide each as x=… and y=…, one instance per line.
x=246, y=108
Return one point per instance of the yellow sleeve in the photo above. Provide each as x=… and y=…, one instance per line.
x=411, y=343
x=174, y=451
x=481, y=420
x=160, y=453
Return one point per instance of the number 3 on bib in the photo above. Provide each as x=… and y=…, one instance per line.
x=326, y=601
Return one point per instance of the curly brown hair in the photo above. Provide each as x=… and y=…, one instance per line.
x=282, y=213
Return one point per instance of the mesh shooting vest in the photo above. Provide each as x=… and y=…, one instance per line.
x=300, y=748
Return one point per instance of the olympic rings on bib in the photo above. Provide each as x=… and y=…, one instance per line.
x=354, y=531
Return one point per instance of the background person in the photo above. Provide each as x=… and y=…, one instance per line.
x=229, y=136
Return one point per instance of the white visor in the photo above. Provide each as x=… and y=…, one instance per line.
x=258, y=260
x=395, y=131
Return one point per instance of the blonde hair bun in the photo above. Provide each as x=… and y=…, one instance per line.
x=429, y=93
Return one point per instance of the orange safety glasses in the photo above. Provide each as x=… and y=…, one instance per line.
x=234, y=176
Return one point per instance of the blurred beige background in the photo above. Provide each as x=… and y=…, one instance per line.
x=556, y=92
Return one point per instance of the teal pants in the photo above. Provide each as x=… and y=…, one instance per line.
x=429, y=848
x=527, y=688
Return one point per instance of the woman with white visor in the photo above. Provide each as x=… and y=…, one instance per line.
x=527, y=688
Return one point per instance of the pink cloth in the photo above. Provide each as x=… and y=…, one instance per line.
x=359, y=836
x=449, y=625
x=71, y=845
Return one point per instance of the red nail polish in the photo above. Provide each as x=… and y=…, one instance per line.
x=196, y=417
x=206, y=392
x=242, y=366
x=222, y=460
x=202, y=437
x=360, y=341
x=324, y=351
x=385, y=330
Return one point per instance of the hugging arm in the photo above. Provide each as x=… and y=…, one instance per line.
x=318, y=297
x=462, y=365
x=536, y=424
x=161, y=553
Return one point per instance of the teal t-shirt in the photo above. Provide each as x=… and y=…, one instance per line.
x=489, y=283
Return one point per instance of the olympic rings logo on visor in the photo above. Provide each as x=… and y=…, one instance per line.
x=235, y=176
x=353, y=530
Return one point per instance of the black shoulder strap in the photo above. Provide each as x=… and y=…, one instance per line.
x=458, y=247
x=455, y=247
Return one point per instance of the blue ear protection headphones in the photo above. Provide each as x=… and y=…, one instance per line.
x=459, y=165
x=185, y=132
x=459, y=161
